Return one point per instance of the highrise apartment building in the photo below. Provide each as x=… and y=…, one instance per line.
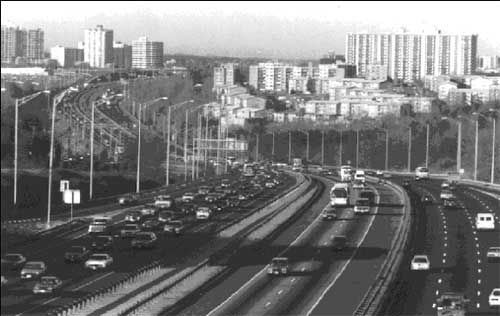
x=17, y=42
x=98, y=47
x=410, y=57
x=147, y=54
x=35, y=44
x=224, y=75
x=270, y=76
x=66, y=56
x=122, y=55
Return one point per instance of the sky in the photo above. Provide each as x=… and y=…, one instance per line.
x=288, y=29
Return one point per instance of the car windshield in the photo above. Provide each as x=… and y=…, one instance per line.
x=279, y=261
x=340, y=193
x=48, y=280
x=33, y=265
x=423, y=170
x=362, y=202
x=98, y=257
x=496, y=292
x=495, y=249
x=12, y=257
x=144, y=237
x=134, y=214
x=420, y=259
x=330, y=211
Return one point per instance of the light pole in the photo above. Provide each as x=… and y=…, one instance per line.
x=322, y=148
x=138, y=176
x=340, y=148
x=386, y=149
x=357, y=148
x=167, y=160
x=185, y=145
x=409, y=148
x=257, y=138
x=492, y=176
x=427, y=146
x=91, y=182
x=51, y=160
x=289, y=146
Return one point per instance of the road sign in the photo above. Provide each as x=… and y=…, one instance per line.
x=64, y=185
x=72, y=196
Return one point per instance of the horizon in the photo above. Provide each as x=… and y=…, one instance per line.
x=303, y=30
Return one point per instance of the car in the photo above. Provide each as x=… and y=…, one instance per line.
x=445, y=185
x=493, y=253
x=450, y=203
x=33, y=269
x=421, y=173
x=427, y=199
x=210, y=198
x=387, y=175
x=270, y=184
x=225, y=183
x=166, y=216
x=187, y=207
x=379, y=173
x=99, y=261
x=232, y=201
x=446, y=195
x=129, y=230
x=406, y=183
x=164, y=201
x=144, y=240
x=3, y=280
x=204, y=190
x=102, y=242
x=13, y=261
x=339, y=243
x=360, y=176
x=329, y=214
x=76, y=254
x=452, y=304
x=243, y=196
x=357, y=184
x=362, y=206
x=148, y=210
x=278, y=266
x=368, y=194
x=188, y=197
x=494, y=298
x=151, y=224
x=420, y=262
x=176, y=227
x=99, y=225
x=203, y=213
x=128, y=199
x=47, y=284
x=133, y=217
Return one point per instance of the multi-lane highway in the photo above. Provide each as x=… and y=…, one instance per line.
x=456, y=249
x=17, y=298
x=321, y=279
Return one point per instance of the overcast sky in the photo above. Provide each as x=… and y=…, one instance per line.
x=261, y=29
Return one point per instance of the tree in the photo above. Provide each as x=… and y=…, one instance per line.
x=311, y=86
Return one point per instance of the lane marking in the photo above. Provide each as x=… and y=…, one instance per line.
x=439, y=281
x=44, y=303
x=280, y=291
x=92, y=281
x=268, y=303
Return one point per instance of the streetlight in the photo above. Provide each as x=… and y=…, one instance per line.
x=51, y=156
x=459, y=141
x=492, y=112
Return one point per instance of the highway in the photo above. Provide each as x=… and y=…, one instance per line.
x=17, y=298
x=320, y=280
x=456, y=249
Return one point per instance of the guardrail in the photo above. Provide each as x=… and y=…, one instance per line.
x=370, y=304
x=76, y=307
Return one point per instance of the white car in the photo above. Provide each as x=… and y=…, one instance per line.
x=203, y=213
x=379, y=173
x=494, y=298
x=360, y=176
x=188, y=197
x=33, y=269
x=493, y=253
x=99, y=261
x=420, y=262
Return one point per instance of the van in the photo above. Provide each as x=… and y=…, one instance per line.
x=360, y=176
x=485, y=221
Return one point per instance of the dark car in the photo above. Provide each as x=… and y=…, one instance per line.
x=450, y=203
x=187, y=207
x=427, y=199
x=151, y=225
x=175, y=227
x=128, y=199
x=102, y=242
x=368, y=194
x=329, y=214
x=233, y=201
x=76, y=254
x=210, y=198
x=339, y=243
x=406, y=183
x=166, y=216
x=144, y=240
x=13, y=261
x=47, y=285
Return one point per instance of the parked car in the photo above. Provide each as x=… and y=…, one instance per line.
x=144, y=240
x=278, y=266
x=76, y=254
x=176, y=227
x=99, y=261
x=420, y=262
x=47, y=285
x=102, y=242
x=33, y=269
x=13, y=261
x=329, y=214
x=128, y=199
x=133, y=217
x=129, y=230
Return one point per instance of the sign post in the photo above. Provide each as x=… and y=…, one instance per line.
x=72, y=197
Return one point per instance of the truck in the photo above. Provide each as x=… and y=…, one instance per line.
x=345, y=173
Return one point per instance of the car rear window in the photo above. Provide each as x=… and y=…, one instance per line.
x=496, y=292
x=98, y=257
x=420, y=260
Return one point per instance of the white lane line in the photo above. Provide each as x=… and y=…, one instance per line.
x=444, y=254
x=303, y=269
x=478, y=305
x=268, y=303
x=479, y=261
x=437, y=292
x=479, y=281
x=479, y=270
x=280, y=291
x=478, y=293
x=44, y=303
x=433, y=305
x=292, y=280
x=439, y=281
x=93, y=281
x=445, y=244
x=444, y=260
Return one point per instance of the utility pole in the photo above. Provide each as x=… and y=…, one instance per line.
x=16, y=127
x=272, y=153
x=459, y=147
x=322, y=148
x=289, y=147
x=357, y=148
x=387, y=149
x=167, y=161
x=307, y=152
x=185, y=146
x=427, y=147
x=51, y=160
x=193, y=155
x=340, y=149
x=409, y=149
x=257, y=147
x=91, y=184
x=476, y=149
x=218, y=141
x=492, y=176
x=138, y=184
x=198, y=147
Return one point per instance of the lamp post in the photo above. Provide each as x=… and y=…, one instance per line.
x=357, y=148
x=409, y=148
x=91, y=182
x=427, y=146
x=167, y=160
x=289, y=146
x=322, y=148
x=492, y=176
x=51, y=160
x=138, y=176
x=340, y=148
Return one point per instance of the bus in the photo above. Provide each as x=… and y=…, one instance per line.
x=339, y=194
x=345, y=173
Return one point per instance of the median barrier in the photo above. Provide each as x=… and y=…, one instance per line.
x=370, y=304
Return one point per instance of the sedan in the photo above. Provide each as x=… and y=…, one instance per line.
x=144, y=240
x=420, y=262
x=33, y=269
x=494, y=298
x=493, y=253
x=329, y=214
x=99, y=261
x=427, y=199
x=188, y=197
x=102, y=242
x=149, y=210
x=176, y=227
x=151, y=224
x=129, y=230
x=133, y=217
x=13, y=261
x=47, y=284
